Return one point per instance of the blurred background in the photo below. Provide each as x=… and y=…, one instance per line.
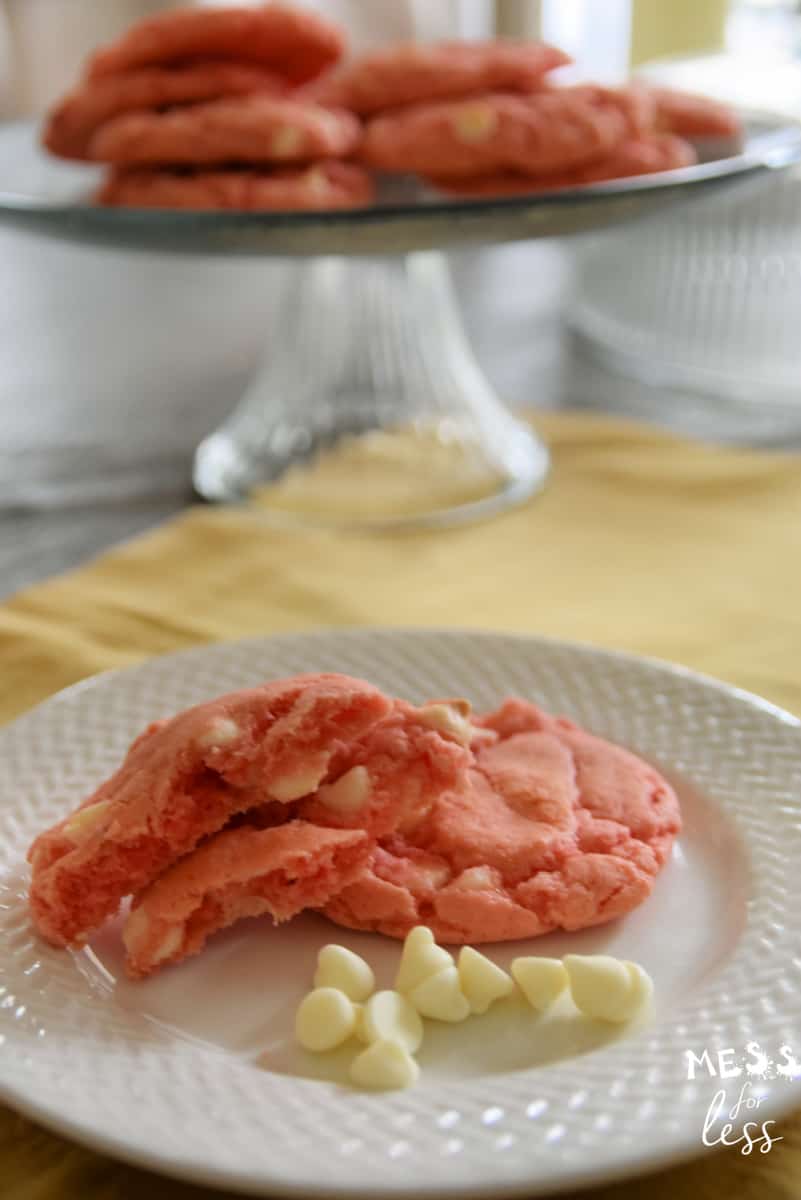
x=689, y=320
x=44, y=42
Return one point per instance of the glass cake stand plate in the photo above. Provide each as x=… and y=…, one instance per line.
x=371, y=410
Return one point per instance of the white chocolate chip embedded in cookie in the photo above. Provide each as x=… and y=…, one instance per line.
x=286, y=141
x=339, y=967
x=482, y=737
x=137, y=928
x=481, y=981
x=286, y=788
x=222, y=731
x=450, y=718
x=141, y=931
x=86, y=819
x=349, y=793
x=169, y=945
x=384, y=1066
x=325, y=1019
x=478, y=879
x=476, y=123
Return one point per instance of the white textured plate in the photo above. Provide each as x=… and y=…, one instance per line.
x=165, y=1073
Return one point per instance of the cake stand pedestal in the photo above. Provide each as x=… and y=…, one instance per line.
x=370, y=356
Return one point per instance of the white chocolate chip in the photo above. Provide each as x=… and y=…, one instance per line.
x=169, y=945
x=463, y=707
x=221, y=732
x=421, y=957
x=540, y=980
x=476, y=879
x=339, y=967
x=435, y=875
x=390, y=1017
x=292, y=787
x=605, y=988
x=359, y=1030
x=286, y=141
x=331, y=121
x=476, y=123
x=317, y=182
x=86, y=819
x=138, y=932
x=325, y=1018
x=349, y=793
x=642, y=986
x=384, y=1066
x=448, y=720
x=440, y=997
x=481, y=981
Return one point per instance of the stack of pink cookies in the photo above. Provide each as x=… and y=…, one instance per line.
x=249, y=109
x=320, y=792
x=200, y=108
x=485, y=119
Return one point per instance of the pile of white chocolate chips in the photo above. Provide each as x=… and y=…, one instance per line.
x=344, y=1004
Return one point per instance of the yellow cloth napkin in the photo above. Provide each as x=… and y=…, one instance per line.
x=642, y=541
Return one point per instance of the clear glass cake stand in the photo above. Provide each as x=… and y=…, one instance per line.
x=370, y=357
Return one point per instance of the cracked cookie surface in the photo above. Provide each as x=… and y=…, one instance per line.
x=556, y=829
x=182, y=780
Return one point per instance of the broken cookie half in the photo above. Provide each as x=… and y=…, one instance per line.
x=262, y=801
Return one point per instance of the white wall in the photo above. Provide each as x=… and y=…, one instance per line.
x=49, y=39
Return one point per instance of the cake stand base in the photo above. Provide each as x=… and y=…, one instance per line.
x=371, y=410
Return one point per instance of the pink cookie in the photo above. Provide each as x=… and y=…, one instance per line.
x=74, y=121
x=549, y=131
x=636, y=104
x=412, y=73
x=692, y=116
x=388, y=779
x=243, y=872
x=556, y=829
x=182, y=780
x=322, y=186
x=645, y=155
x=248, y=129
x=296, y=43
